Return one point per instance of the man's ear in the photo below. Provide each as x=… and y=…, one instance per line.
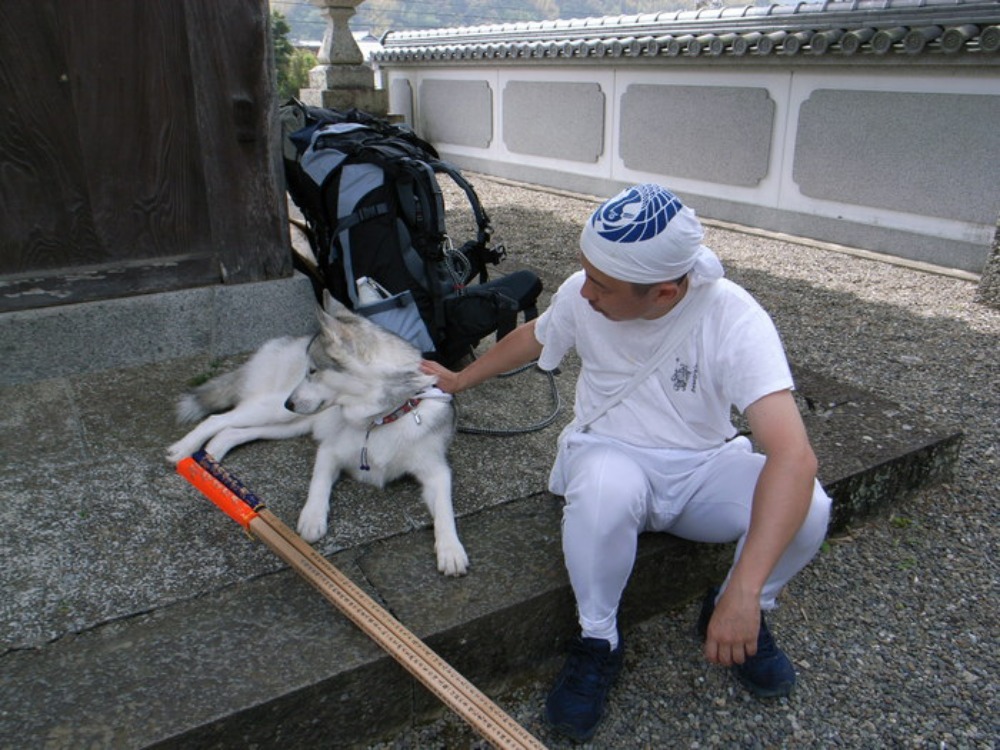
x=667, y=292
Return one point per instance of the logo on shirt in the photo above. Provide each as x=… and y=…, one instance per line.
x=685, y=377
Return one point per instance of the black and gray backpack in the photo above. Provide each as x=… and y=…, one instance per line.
x=375, y=220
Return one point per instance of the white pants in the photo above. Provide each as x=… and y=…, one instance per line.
x=614, y=491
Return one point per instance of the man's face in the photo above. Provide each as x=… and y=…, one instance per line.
x=617, y=300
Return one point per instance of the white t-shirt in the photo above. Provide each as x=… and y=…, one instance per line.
x=733, y=357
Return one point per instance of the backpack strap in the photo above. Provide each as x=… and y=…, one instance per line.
x=482, y=220
x=506, y=316
x=341, y=235
x=478, y=251
x=700, y=299
x=422, y=205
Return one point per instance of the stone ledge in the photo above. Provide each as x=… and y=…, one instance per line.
x=870, y=456
x=267, y=661
x=68, y=340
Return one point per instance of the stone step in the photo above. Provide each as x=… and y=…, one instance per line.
x=263, y=660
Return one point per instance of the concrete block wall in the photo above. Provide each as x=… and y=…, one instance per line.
x=898, y=159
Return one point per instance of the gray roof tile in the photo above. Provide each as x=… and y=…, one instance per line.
x=873, y=27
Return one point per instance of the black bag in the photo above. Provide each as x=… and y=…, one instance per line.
x=374, y=212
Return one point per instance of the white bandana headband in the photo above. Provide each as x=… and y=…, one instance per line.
x=644, y=235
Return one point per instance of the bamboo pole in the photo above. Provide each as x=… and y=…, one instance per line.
x=456, y=692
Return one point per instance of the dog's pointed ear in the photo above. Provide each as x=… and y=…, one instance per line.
x=339, y=327
x=326, y=321
x=337, y=309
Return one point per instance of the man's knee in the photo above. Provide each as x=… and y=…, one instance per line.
x=817, y=520
x=606, y=490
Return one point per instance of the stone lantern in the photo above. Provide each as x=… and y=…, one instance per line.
x=342, y=80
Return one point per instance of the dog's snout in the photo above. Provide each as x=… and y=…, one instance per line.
x=289, y=404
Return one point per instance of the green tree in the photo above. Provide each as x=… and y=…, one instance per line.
x=301, y=62
x=283, y=54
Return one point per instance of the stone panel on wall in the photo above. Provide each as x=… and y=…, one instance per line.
x=456, y=111
x=716, y=133
x=906, y=151
x=566, y=119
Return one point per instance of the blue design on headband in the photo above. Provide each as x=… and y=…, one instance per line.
x=638, y=214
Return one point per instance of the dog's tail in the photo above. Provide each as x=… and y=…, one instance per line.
x=218, y=394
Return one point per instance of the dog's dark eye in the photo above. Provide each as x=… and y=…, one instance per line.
x=313, y=370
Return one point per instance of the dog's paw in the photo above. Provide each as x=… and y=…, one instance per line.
x=451, y=558
x=177, y=452
x=311, y=526
x=218, y=447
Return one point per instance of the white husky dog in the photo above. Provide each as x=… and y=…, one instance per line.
x=358, y=390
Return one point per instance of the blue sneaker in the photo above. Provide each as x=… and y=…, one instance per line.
x=576, y=704
x=766, y=674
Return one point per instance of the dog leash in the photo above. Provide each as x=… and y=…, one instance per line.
x=234, y=499
x=512, y=431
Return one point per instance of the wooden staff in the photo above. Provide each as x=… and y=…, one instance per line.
x=456, y=692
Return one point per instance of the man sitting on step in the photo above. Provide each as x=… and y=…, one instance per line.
x=667, y=347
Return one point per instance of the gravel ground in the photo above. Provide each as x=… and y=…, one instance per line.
x=893, y=628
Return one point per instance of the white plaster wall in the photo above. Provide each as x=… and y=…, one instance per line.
x=776, y=201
